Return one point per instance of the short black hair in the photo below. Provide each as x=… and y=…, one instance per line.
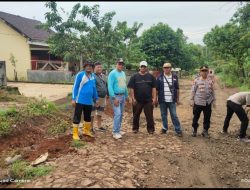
x=87, y=62
x=204, y=67
x=97, y=63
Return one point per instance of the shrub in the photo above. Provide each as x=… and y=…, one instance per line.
x=128, y=66
x=42, y=107
x=58, y=128
x=4, y=128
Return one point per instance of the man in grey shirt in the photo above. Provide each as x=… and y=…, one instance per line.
x=102, y=91
x=234, y=105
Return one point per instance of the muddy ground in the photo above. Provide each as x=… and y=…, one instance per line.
x=139, y=160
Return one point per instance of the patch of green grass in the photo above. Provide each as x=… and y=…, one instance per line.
x=232, y=81
x=17, y=169
x=245, y=88
x=5, y=128
x=58, y=128
x=7, y=118
x=12, y=112
x=42, y=107
x=21, y=170
x=38, y=171
x=78, y=144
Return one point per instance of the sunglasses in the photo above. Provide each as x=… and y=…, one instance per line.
x=143, y=66
x=121, y=63
x=166, y=67
x=204, y=70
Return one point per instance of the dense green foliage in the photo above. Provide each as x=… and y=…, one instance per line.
x=229, y=46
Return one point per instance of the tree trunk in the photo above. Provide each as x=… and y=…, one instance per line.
x=15, y=74
x=242, y=70
x=81, y=62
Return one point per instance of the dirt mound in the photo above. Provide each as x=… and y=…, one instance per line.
x=27, y=133
x=29, y=138
x=55, y=148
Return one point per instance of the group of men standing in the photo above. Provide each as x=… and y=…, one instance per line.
x=91, y=90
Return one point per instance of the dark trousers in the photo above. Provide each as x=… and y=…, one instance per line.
x=197, y=109
x=148, y=111
x=86, y=109
x=231, y=108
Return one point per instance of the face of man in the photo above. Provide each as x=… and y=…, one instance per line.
x=98, y=69
x=88, y=68
x=204, y=73
x=143, y=69
x=119, y=66
x=167, y=70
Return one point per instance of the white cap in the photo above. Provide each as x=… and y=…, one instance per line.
x=143, y=63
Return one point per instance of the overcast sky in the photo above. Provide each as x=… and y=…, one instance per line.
x=194, y=18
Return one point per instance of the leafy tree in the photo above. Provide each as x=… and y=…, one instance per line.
x=161, y=43
x=232, y=41
x=196, y=55
x=129, y=47
x=98, y=40
x=69, y=40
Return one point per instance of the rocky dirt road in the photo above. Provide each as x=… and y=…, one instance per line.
x=158, y=160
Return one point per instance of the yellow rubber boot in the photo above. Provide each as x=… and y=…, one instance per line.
x=86, y=129
x=75, y=132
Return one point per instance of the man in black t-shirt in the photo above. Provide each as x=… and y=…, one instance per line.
x=142, y=86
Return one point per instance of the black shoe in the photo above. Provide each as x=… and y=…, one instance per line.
x=205, y=133
x=102, y=129
x=194, y=132
x=163, y=131
x=135, y=131
x=179, y=134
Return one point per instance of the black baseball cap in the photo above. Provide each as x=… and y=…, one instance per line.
x=204, y=67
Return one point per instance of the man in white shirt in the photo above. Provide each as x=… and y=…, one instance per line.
x=168, y=96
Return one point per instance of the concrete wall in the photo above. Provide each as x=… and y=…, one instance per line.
x=13, y=42
x=3, y=81
x=50, y=76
